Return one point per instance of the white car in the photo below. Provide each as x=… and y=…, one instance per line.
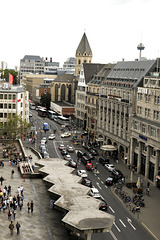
x=95, y=193
x=45, y=155
x=51, y=137
x=66, y=134
x=82, y=173
x=70, y=149
x=109, y=167
x=67, y=157
x=44, y=139
x=61, y=147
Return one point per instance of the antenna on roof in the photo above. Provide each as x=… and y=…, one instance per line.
x=140, y=47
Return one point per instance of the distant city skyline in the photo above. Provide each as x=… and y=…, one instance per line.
x=114, y=29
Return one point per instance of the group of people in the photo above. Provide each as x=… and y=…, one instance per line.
x=10, y=204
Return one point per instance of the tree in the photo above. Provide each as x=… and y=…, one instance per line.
x=5, y=75
x=45, y=100
x=15, y=126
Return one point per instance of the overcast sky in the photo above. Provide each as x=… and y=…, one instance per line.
x=51, y=28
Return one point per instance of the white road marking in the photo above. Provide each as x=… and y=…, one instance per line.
x=117, y=227
x=56, y=150
x=112, y=234
x=102, y=182
x=130, y=222
x=98, y=185
x=111, y=209
x=98, y=178
x=122, y=223
x=106, y=187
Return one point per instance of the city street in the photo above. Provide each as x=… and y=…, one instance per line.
x=126, y=226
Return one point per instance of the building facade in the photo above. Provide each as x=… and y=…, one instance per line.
x=145, y=128
x=14, y=100
x=117, y=103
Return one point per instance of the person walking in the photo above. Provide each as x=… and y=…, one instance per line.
x=14, y=213
x=11, y=227
x=32, y=205
x=12, y=173
x=18, y=227
x=28, y=206
x=1, y=180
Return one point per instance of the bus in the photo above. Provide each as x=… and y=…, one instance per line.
x=45, y=126
x=42, y=112
x=32, y=106
x=63, y=121
x=51, y=114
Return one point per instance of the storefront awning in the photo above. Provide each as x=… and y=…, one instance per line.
x=108, y=148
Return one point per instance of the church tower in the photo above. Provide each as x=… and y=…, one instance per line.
x=83, y=54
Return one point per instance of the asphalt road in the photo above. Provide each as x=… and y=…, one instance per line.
x=126, y=227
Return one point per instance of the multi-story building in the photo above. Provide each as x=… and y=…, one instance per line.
x=117, y=103
x=3, y=65
x=87, y=72
x=31, y=64
x=145, y=128
x=14, y=100
x=92, y=102
x=69, y=65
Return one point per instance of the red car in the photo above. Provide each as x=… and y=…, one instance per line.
x=89, y=166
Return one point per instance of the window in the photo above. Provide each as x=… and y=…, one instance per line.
x=143, y=128
x=139, y=110
x=1, y=96
x=158, y=100
x=5, y=105
x=153, y=132
x=155, y=99
x=5, y=96
x=1, y=115
x=1, y=105
x=146, y=81
x=9, y=97
x=139, y=96
x=5, y=115
x=136, y=125
x=79, y=61
x=14, y=106
x=9, y=106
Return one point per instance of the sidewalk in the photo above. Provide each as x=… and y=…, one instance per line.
x=44, y=223
x=149, y=215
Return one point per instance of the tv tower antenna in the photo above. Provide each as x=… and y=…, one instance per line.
x=140, y=47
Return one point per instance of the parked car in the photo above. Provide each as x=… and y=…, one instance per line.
x=85, y=133
x=82, y=173
x=51, y=137
x=70, y=149
x=61, y=147
x=66, y=134
x=64, y=152
x=67, y=157
x=45, y=155
x=87, y=182
x=95, y=193
x=103, y=206
x=42, y=145
x=87, y=147
x=103, y=161
x=89, y=156
x=85, y=160
x=109, y=167
x=89, y=166
x=72, y=164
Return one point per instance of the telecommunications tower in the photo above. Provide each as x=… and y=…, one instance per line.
x=140, y=47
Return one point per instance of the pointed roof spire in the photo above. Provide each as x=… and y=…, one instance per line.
x=84, y=46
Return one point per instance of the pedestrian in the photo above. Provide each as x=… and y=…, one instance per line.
x=12, y=173
x=11, y=227
x=14, y=213
x=9, y=215
x=32, y=205
x=1, y=180
x=148, y=184
x=18, y=227
x=4, y=192
x=20, y=205
x=21, y=188
x=29, y=207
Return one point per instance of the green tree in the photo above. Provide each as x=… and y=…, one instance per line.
x=15, y=126
x=5, y=75
x=45, y=100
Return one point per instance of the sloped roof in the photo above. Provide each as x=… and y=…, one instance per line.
x=32, y=57
x=84, y=46
x=131, y=71
x=102, y=73
x=90, y=69
x=64, y=78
